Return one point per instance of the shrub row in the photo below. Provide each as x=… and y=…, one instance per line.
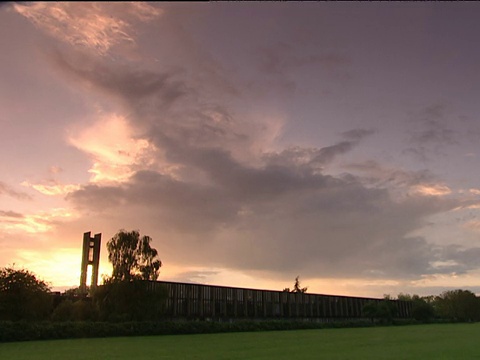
x=25, y=331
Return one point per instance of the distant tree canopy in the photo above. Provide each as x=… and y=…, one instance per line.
x=458, y=305
x=132, y=257
x=296, y=287
x=453, y=305
x=383, y=311
x=422, y=307
x=23, y=296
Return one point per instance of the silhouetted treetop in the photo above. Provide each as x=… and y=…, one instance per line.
x=296, y=287
x=132, y=257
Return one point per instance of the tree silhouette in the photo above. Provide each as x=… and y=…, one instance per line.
x=23, y=296
x=296, y=287
x=458, y=305
x=132, y=257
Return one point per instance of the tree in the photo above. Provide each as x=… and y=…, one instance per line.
x=422, y=308
x=370, y=310
x=132, y=257
x=23, y=296
x=296, y=287
x=384, y=310
x=458, y=305
x=132, y=300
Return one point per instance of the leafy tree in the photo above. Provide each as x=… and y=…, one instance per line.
x=23, y=296
x=422, y=307
x=422, y=310
x=296, y=287
x=370, y=310
x=132, y=257
x=133, y=300
x=384, y=310
x=458, y=305
x=126, y=295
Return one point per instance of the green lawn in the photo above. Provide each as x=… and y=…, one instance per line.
x=449, y=341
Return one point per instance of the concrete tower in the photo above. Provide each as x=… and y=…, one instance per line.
x=90, y=256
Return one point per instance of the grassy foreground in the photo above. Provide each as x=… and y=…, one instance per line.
x=445, y=341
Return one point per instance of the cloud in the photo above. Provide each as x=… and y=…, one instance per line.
x=281, y=58
x=473, y=225
x=169, y=112
x=55, y=170
x=96, y=26
x=357, y=134
x=174, y=203
x=432, y=189
x=243, y=205
x=10, y=214
x=474, y=191
x=398, y=180
x=332, y=226
x=115, y=151
x=308, y=159
x=129, y=84
x=52, y=187
x=7, y=190
x=194, y=276
x=34, y=223
x=461, y=259
x=280, y=63
x=430, y=134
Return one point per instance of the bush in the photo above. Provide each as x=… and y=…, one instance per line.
x=22, y=331
x=80, y=310
x=383, y=311
x=63, y=312
x=422, y=311
x=23, y=296
x=129, y=301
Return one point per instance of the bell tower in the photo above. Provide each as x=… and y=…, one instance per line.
x=90, y=256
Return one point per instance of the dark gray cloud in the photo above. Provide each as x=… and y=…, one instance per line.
x=310, y=159
x=374, y=173
x=342, y=230
x=97, y=197
x=458, y=259
x=136, y=86
x=327, y=154
x=331, y=228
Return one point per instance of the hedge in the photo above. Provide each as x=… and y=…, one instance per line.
x=26, y=331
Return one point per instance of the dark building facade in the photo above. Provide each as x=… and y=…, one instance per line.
x=196, y=301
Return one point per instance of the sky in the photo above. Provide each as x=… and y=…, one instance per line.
x=253, y=142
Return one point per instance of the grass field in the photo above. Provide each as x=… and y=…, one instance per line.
x=449, y=341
